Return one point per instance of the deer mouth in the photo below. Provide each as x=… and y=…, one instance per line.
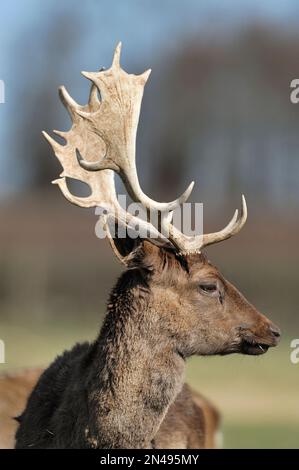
x=253, y=348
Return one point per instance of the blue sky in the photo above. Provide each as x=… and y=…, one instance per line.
x=144, y=26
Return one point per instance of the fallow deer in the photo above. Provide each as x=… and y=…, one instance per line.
x=126, y=389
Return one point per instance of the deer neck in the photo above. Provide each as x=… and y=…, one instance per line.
x=136, y=374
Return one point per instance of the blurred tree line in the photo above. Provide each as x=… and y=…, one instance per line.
x=217, y=110
x=220, y=111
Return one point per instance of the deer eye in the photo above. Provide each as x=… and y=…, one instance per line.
x=208, y=288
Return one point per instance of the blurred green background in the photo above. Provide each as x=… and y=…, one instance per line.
x=216, y=109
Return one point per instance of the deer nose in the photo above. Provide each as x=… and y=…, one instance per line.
x=275, y=331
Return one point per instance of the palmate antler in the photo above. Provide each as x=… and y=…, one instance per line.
x=102, y=185
x=103, y=139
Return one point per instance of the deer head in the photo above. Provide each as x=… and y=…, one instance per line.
x=191, y=303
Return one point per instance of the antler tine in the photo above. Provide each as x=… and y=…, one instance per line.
x=68, y=102
x=132, y=185
x=93, y=96
x=187, y=244
x=231, y=229
x=116, y=55
x=116, y=121
x=55, y=145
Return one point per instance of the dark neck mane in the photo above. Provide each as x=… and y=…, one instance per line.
x=135, y=376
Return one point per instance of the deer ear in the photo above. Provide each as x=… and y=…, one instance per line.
x=123, y=247
x=145, y=255
x=135, y=252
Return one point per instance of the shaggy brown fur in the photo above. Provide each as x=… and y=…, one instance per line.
x=183, y=425
x=118, y=391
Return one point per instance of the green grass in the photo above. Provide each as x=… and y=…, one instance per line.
x=258, y=397
x=261, y=436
